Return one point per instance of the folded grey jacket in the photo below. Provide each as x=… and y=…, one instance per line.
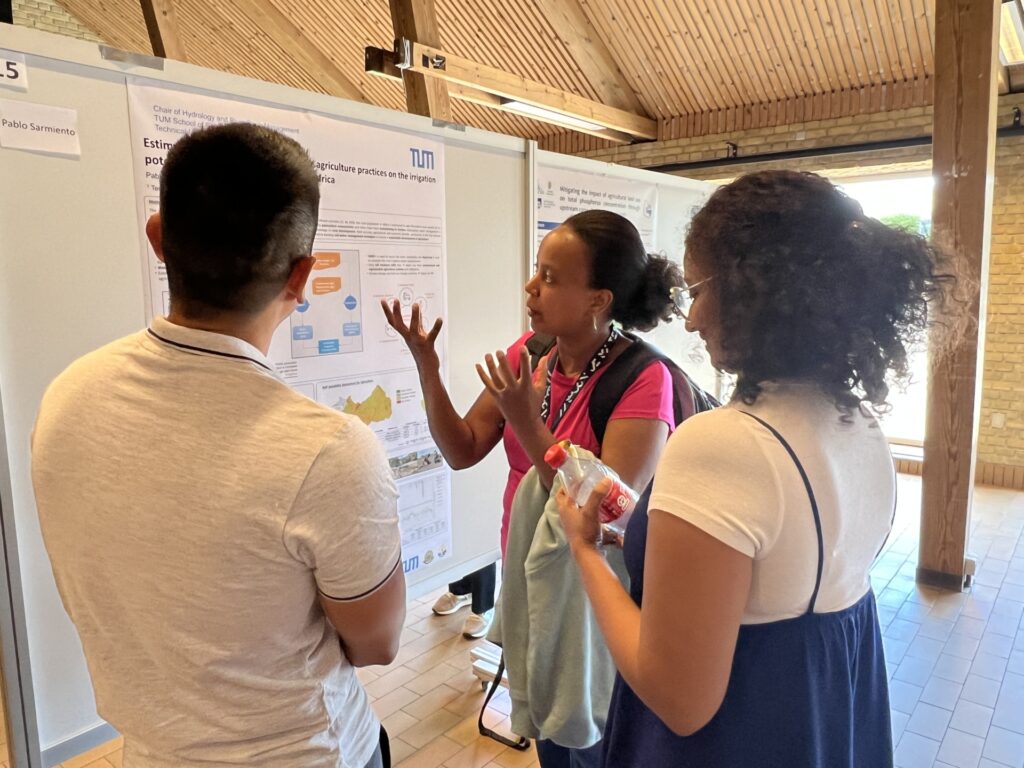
x=560, y=672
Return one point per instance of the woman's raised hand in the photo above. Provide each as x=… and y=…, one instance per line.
x=420, y=343
x=518, y=397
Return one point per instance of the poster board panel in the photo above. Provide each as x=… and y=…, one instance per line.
x=660, y=206
x=70, y=281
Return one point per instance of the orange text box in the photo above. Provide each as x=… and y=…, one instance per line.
x=327, y=259
x=322, y=285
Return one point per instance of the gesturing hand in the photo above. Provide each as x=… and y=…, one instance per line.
x=420, y=344
x=516, y=395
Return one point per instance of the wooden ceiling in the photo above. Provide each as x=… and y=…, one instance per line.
x=696, y=66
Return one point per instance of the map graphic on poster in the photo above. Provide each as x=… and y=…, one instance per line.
x=380, y=236
x=330, y=320
x=389, y=403
x=377, y=407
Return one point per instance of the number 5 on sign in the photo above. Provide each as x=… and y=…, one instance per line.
x=13, y=72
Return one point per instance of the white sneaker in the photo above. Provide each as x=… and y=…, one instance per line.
x=449, y=603
x=477, y=624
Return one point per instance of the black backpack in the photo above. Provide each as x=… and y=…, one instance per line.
x=688, y=398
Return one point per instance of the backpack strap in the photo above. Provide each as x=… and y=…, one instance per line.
x=520, y=742
x=538, y=345
x=702, y=399
x=687, y=397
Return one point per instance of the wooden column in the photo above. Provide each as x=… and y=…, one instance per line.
x=963, y=162
x=163, y=29
x=416, y=20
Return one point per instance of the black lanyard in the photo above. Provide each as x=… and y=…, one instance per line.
x=589, y=370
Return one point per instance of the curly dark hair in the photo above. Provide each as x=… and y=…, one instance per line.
x=640, y=282
x=808, y=287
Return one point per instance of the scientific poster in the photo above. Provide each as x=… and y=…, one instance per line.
x=381, y=235
x=660, y=214
x=561, y=193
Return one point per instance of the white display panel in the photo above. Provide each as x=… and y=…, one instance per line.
x=70, y=281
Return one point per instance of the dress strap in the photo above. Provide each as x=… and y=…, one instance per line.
x=810, y=495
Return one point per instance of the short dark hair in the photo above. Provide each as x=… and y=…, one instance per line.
x=640, y=283
x=238, y=207
x=809, y=287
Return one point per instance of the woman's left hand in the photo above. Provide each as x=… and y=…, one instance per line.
x=581, y=524
x=516, y=395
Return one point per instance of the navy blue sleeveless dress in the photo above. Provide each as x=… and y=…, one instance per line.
x=806, y=692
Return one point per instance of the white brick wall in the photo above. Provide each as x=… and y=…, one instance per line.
x=49, y=16
x=1003, y=382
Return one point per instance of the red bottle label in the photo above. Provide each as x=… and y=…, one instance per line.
x=619, y=500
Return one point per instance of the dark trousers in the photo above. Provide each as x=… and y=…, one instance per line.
x=480, y=584
x=552, y=755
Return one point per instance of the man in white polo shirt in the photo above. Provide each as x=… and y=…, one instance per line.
x=227, y=548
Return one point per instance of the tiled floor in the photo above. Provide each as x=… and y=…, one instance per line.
x=956, y=662
x=428, y=700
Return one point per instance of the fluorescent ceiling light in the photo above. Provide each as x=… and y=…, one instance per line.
x=1011, y=33
x=549, y=115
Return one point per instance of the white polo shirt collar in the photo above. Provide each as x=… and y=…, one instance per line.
x=199, y=342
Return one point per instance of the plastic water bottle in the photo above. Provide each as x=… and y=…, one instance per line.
x=580, y=475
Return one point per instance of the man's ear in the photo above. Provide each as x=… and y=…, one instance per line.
x=155, y=235
x=295, y=288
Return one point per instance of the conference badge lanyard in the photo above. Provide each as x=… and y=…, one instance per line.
x=589, y=370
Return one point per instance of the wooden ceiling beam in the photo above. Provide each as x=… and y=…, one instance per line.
x=297, y=45
x=416, y=20
x=162, y=26
x=439, y=64
x=586, y=47
x=1015, y=78
x=381, y=62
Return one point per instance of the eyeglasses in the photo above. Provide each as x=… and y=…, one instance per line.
x=682, y=296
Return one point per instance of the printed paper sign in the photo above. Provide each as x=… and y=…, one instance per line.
x=39, y=128
x=13, y=71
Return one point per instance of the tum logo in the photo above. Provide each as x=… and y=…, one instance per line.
x=422, y=158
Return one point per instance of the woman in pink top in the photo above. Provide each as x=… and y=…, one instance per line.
x=649, y=398
x=592, y=270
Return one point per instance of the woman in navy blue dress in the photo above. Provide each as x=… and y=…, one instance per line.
x=750, y=637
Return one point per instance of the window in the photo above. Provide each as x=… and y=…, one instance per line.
x=902, y=202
